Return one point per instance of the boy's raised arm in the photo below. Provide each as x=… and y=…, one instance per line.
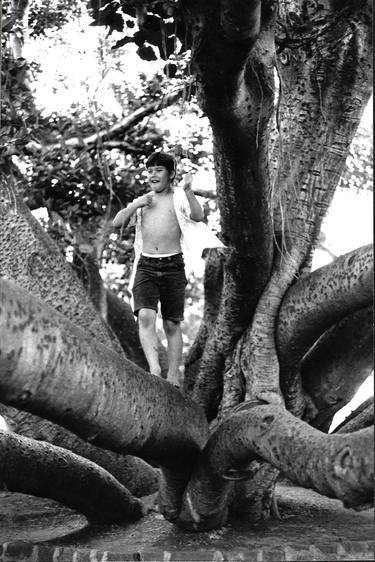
x=196, y=211
x=123, y=217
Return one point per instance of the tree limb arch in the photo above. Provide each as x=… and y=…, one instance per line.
x=316, y=302
x=339, y=465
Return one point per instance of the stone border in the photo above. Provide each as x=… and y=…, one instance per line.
x=345, y=550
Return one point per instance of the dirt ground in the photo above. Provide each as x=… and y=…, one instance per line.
x=309, y=524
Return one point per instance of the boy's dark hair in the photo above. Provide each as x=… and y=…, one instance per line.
x=162, y=159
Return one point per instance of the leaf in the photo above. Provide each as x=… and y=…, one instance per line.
x=146, y=53
x=170, y=70
x=122, y=42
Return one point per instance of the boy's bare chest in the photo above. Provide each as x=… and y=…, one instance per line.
x=161, y=213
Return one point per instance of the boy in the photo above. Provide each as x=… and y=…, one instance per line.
x=168, y=227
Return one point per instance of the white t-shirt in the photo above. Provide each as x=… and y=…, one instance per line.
x=195, y=236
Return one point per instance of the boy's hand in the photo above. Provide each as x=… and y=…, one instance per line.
x=145, y=200
x=188, y=181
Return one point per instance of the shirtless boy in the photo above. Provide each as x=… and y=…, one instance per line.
x=160, y=274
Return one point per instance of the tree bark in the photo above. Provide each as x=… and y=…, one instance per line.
x=212, y=285
x=337, y=465
x=29, y=256
x=315, y=303
x=52, y=368
x=317, y=115
x=336, y=366
x=133, y=473
x=362, y=417
x=319, y=112
x=41, y=469
x=237, y=95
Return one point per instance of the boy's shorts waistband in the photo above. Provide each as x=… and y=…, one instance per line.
x=162, y=259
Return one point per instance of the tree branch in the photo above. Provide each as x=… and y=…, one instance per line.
x=336, y=366
x=316, y=302
x=31, y=257
x=239, y=102
x=38, y=468
x=133, y=473
x=120, y=128
x=338, y=466
x=56, y=370
x=362, y=417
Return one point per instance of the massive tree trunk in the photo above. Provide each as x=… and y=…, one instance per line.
x=323, y=59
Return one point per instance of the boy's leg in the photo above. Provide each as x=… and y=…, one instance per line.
x=174, y=337
x=149, y=339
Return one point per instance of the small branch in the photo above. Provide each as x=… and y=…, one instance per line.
x=121, y=127
x=125, y=146
x=362, y=417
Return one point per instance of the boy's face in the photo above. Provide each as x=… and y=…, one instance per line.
x=159, y=178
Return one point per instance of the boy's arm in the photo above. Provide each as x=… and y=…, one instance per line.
x=123, y=217
x=196, y=211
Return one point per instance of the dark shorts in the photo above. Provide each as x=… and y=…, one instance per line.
x=161, y=280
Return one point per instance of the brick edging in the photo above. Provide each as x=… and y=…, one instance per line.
x=344, y=550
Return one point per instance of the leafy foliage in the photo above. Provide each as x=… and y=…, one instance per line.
x=359, y=168
x=17, y=107
x=158, y=31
